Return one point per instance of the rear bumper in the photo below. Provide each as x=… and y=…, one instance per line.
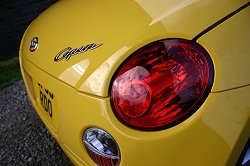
x=214, y=135
x=30, y=73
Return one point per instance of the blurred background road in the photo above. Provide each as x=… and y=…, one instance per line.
x=24, y=140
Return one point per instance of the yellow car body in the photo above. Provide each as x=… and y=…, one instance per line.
x=214, y=135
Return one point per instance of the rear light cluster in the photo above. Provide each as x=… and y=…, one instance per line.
x=162, y=84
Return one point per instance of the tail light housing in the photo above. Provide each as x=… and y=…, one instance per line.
x=161, y=84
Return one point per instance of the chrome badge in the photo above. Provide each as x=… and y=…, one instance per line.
x=34, y=44
x=68, y=52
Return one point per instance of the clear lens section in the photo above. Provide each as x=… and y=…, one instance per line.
x=101, y=147
x=246, y=159
x=134, y=92
x=162, y=84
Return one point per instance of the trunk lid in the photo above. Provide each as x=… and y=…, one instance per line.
x=89, y=39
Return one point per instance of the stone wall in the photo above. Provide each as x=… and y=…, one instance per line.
x=15, y=16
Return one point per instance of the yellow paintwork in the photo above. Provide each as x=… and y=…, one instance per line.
x=214, y=135
x=233, y=64
x=122, y=28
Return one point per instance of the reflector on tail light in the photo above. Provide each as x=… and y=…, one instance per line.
x=162, y=84
x=101, y=147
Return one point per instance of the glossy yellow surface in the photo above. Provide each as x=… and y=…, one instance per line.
x=122, y=28
x=229, y=43
x=214, y=135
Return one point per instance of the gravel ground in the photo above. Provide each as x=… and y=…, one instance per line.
x=24, y=140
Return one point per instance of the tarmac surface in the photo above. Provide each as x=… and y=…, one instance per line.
x=24, y=140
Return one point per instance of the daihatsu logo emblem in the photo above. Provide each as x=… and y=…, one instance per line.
x=34, y=44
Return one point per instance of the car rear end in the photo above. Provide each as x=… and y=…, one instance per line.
x=76, y=97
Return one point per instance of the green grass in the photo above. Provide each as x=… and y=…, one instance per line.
x=9, y=72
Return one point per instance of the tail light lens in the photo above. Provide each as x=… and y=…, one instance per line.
x=162, y=84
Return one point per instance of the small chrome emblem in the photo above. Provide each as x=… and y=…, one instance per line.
x=34, y=44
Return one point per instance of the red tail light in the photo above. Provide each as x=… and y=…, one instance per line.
x=162, y=84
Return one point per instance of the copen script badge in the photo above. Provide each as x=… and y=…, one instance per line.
x=68, y=52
